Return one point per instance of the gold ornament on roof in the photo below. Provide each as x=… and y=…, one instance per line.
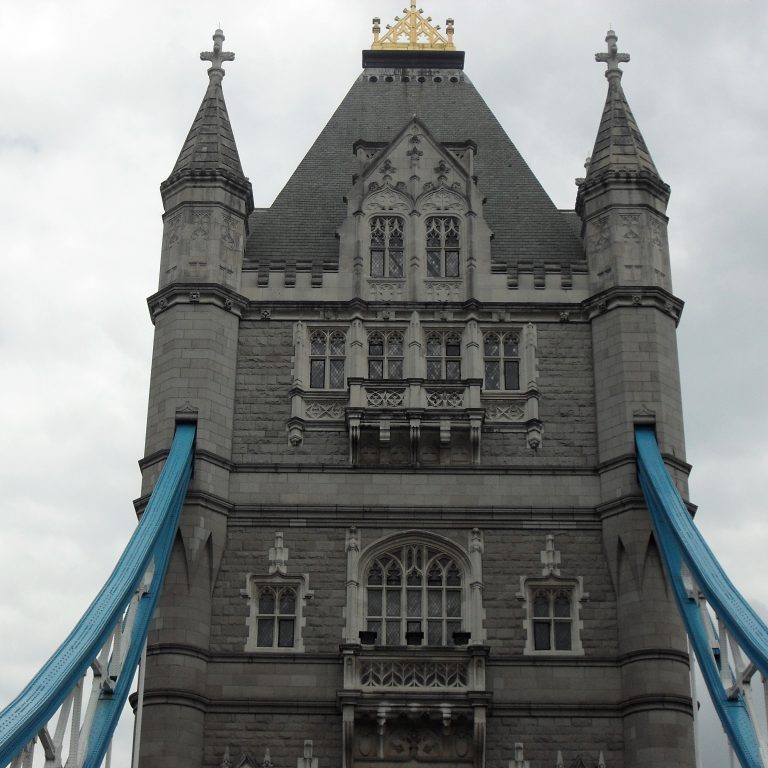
x=413, y=32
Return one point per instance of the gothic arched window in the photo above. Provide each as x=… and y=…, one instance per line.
x=327, y=350
x=385, y=355
x=414, y=589
x=387, y=244
x=276, y=617
x=443, y=246
x=502, y=360
x=443, y=356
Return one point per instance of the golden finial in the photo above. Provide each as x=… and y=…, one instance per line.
x=413, y=32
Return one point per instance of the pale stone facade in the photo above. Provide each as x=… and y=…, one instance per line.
x=414, y=535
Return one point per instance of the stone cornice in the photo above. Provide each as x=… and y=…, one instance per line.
x=634, y=297
x=196, y=293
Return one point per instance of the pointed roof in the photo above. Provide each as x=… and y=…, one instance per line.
x=210, y=146
x=299, y=229
x=619, y=145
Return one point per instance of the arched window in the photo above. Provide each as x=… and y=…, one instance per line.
x=414, y=589
x=502, y=360
x=387, y=243
x=443, y=246
x=327, y=350
x=385, y=355
x=552, y=619
x=443, y=356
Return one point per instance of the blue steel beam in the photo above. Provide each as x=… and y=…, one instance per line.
x=681, y=544
x=30, y=711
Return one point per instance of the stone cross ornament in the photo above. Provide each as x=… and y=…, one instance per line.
x=217, y=57
x=613, y=57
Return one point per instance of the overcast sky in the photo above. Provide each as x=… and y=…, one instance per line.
x=97, y=98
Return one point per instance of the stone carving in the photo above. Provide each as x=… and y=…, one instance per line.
x=601, y=234
x=229, y=231
x=388, y=291
x=505, y=411
x=385, y=398
x=201, y=221
x=194, y=296
x=387, y=199
x=444, y=399
x=443, y=291
x=174, y=225
x=413, y=674
x=443, y=199
x=318, y=410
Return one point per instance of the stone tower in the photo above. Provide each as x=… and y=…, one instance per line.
x=414, y=534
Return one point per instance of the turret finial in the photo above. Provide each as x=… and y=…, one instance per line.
x=413, y=32
x=613, y=57
x=217, y=56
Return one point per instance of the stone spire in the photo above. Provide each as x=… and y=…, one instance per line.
x=619, y=145
x=210, y=147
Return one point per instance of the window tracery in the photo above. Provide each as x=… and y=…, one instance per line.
x=385, y=355
x=443, y=356
x=501, y=354
x=387, y=246
x=327, y=353
x=443, y=246
x=276, y=617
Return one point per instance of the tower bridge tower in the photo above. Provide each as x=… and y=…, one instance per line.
x=414, y=534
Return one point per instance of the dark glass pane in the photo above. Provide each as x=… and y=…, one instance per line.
x=450, y=628
x=376, y=345
x=374, y=602
x=394, y=576
x=435, y=602
x=491, y=345
x=377, y=231
x=374, y=575
x=266, y=601
x=541, y=635
x=433, y=263
x=285, y=633
x=562, y=635
x=453, y=577
x=336, y=380
x=337, y=343
x=511, y=374
x=393, y=602
x=395, y=369
x=541, y=605
x=414, y=602
x=265, y=633
x=435, y=633
x=453, y=346
x=317, y=344
x=563, y=605
x=435, y=576
x=287, y=602
x=414, y=578
x=434, y=370
x=451, y=263
x=395, y=263
x=453, y=603
x=375, y=369
x=492, y=374
x=393, y=633
x=510, y=345
x=453, y=370
x=395, y=232
x=317, y=374
x=377, y=263
x=413, y=626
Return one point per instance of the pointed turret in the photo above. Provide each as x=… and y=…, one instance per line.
x=623, y=200
x=207, y=197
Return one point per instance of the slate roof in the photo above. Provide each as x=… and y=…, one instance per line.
x=210, y=146
x=619, y=145
x=298, y=230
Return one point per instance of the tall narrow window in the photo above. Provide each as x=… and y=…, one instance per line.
x=443, y=356
x=502, y=360
x=552, y=619
x=385, y=355
x=443, y=246
x=414, y=589
x=276, y=617
x=387, y=242
x=327, y=350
